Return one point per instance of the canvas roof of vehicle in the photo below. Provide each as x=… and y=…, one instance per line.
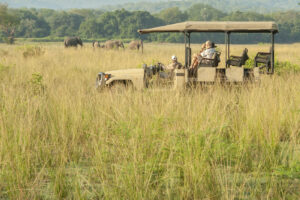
x=228, y=26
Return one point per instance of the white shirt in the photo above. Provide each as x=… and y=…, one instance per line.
x=208, y=53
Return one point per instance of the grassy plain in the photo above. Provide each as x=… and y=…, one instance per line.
x=60, y=139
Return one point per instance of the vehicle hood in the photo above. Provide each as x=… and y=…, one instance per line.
x=125, y=72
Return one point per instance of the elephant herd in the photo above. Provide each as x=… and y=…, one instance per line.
x=110, y=44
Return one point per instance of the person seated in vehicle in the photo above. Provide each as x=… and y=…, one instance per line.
x=174, y=65
x=207, y=51
x=171, y=67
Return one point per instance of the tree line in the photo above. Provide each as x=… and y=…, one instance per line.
x=91, y=24
x=260, y=6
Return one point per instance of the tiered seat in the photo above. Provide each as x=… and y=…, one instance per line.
x=238, y=60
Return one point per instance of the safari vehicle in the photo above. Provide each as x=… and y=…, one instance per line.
x=208, y=71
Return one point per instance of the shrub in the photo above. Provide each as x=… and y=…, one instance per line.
x=286, y=67
x=32, y=51
x=8, y=40
x=280, y=67
x=36, y=83
x=249, y=63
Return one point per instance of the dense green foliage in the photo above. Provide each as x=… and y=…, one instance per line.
x=261, y=6
x=159, y=5
x=101, y=25
x=8, y=23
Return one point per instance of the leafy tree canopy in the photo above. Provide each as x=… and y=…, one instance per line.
x=8, y=23
x=172, y=15
x=98, y=24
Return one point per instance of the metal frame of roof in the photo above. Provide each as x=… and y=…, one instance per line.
x=228, y=26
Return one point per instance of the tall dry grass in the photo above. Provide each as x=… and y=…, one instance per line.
x=60, y=139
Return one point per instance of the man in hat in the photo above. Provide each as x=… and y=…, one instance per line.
x=171, y=67
x=174, y=65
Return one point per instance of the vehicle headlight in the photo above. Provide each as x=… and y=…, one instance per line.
x=107, y=76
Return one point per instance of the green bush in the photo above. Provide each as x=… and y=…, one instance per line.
x=249, y=63
x=8, y=40
x=286, y=67
x=36, y=84
x=280, y=67
x=32, y=51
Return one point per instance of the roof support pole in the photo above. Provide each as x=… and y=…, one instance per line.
x=272, y=53
x=226, y=49
x=189, y=49
x=142, y=43
x=185, y=62
x=189, y=36
x=228, y=40
x=187, y=44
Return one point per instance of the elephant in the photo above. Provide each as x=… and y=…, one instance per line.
x=114, y=44
x=96, y=44
x=135, y=44
x=73, y=42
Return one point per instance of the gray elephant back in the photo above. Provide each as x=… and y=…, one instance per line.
x=73, y=42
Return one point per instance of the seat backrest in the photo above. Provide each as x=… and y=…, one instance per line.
x=214, y=55
x=216, y=58
x=263, y=57
x=245, y=56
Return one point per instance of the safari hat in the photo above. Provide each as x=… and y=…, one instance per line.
x=174, y=57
